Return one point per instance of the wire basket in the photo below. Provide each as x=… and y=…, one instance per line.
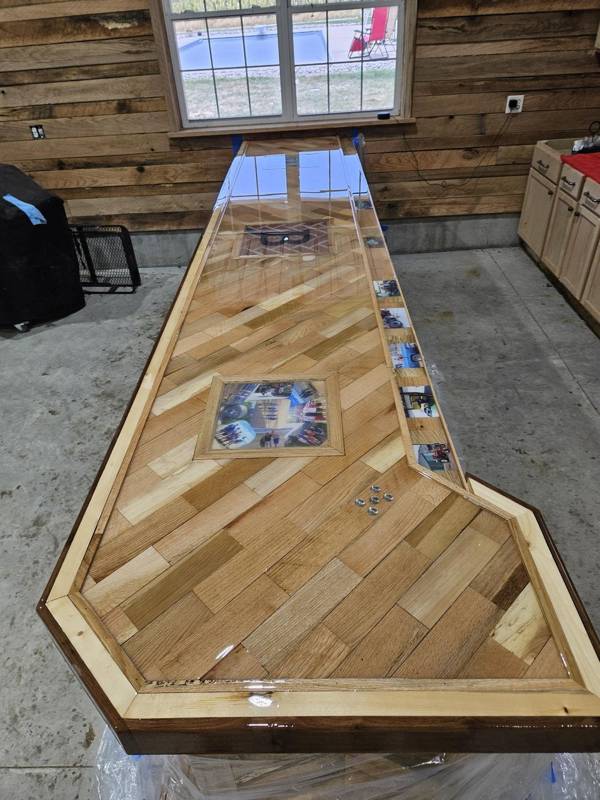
x=106, y=258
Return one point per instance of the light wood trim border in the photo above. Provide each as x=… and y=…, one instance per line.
x=564, y=700
x=91, y=650
x=335, y=436
x=560, y=607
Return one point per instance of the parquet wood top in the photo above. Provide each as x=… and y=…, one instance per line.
x=201, y=571
x=206, y=561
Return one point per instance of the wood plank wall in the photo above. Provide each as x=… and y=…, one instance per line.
x=88, y=71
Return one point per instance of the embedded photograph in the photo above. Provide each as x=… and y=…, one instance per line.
x=435, y=456
x=386, y=288
x=404, y=355
x=394, y=318
x=271, y=415
x=418, y=401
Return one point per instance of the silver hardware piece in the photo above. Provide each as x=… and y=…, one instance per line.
x=375, y=488
x=374, y=500
x=360, y=502
x=388, y=496
x=373, y=511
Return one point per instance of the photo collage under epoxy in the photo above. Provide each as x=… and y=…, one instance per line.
x=270, y=415
x=418, y=400
x=404, y=354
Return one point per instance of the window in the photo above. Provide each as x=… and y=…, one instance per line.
x=255, y=62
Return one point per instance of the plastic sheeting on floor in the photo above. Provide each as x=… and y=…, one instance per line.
x=353, y=776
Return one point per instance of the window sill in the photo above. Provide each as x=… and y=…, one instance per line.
x=335, y=125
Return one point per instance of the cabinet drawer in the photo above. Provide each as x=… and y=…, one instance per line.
x=590, y=196
x=546, y=161
x=571, y=181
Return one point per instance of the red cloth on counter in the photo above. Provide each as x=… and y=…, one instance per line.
x=588, y=163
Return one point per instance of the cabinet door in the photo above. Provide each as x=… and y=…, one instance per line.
x=579, y=251
x=591, y=294
x=535, y=215
x=559, y=228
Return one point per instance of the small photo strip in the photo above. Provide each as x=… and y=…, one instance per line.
x=386, y=288
x=419, y=401
x=435, y=456
x=404, y=355
x=394, y=318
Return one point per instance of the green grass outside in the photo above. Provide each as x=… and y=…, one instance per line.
x=312, y=94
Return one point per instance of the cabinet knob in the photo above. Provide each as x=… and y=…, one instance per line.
x=577, y=214
x=550, y=192
x=541, y=163
x=569, y=208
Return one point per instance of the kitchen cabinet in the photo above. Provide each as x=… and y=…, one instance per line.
x=579, y=251
x=570, y=186
x=559, y=228
x=536, y=211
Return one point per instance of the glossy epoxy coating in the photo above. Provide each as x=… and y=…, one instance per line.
x=263, y=568
x=249, y=602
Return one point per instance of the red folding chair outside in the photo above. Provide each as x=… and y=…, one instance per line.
x=365, y=44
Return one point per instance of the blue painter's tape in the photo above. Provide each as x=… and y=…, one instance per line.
x=355, y=139
x=236, y=143
x=35, y=215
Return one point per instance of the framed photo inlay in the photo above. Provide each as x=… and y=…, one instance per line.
x=272, y=415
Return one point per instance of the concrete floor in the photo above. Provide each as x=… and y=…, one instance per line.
x=63, y=388
x=519, y=381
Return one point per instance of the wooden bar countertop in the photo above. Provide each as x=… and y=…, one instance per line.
x=281, y=552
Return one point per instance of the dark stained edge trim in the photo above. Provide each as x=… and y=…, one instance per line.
x=581, y=610
x=366, y=735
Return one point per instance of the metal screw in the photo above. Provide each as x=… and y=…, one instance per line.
x=388, y=496
x=373, y=511
x=374, y=500
x=360, y=502
x=375, y=488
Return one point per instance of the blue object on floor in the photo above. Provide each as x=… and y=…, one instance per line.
x=261, y=50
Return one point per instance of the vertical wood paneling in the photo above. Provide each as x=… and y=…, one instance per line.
x=88, y=71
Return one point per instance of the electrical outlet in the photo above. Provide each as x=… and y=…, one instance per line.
x=37, y=132
x=514, y=103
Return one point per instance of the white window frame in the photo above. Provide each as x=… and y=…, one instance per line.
x=284, y=11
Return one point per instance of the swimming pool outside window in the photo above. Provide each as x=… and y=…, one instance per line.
x=268, y=61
